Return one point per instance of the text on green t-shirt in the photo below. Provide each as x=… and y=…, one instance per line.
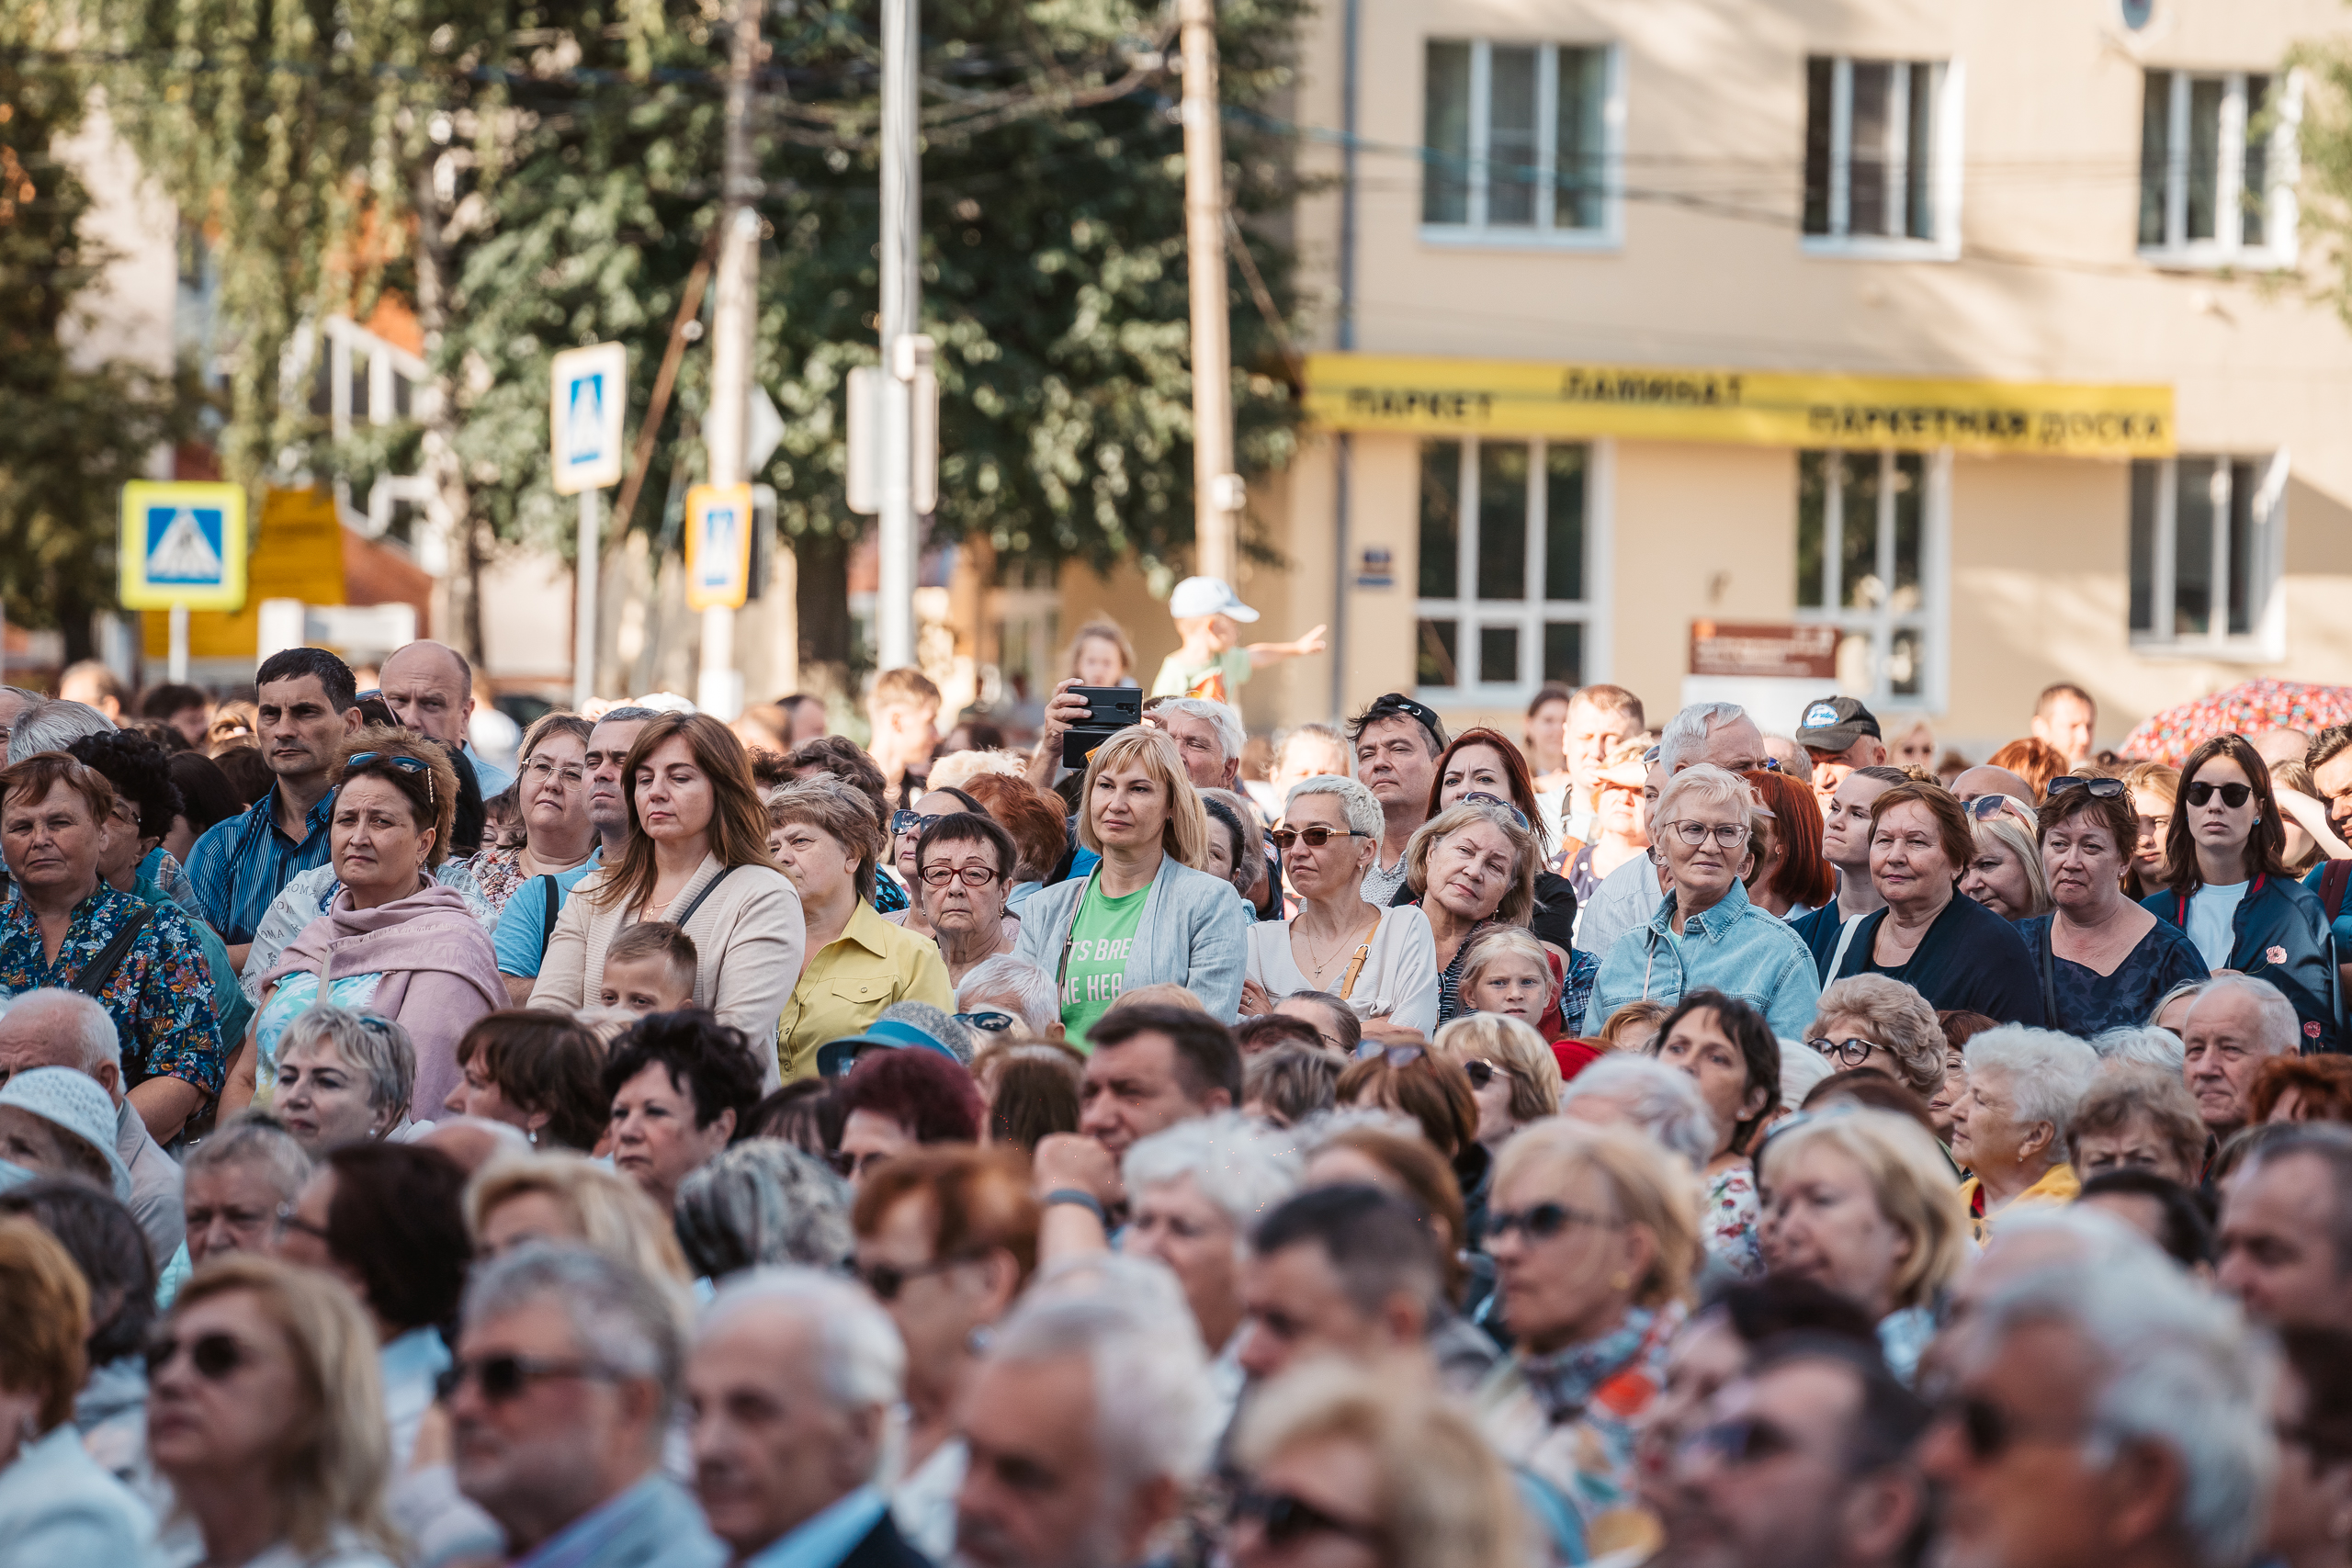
x=1101, y=940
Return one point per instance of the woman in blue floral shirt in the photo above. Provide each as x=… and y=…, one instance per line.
x=61, y=919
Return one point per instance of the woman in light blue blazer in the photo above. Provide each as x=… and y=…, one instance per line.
x=1146, y=915
x=56, y=1504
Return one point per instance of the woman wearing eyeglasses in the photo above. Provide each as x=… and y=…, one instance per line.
x=1382, y=962
x=551, y=790
x=907, y=829
x=2230, y=890
x=961, y=864
x=393, y=942
x=2103, y=962
x=1705, y=933
x=265, y=1412
x=1514, y=1077
x=1954, y=951
x=1868, y=1021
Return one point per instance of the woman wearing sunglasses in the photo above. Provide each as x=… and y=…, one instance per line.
x=1382, y=962
x=2103, y=962
x=265, y=1412
x=1705, y=933
x=2230, y=890
x=394, y=942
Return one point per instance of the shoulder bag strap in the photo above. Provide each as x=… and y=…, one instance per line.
x=2049, y=975
x=548, y=913
x=99, y=970
x=2334, y=883
x=707, y=889
x=1845, y=940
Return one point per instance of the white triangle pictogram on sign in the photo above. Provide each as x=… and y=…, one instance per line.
x=182, y=554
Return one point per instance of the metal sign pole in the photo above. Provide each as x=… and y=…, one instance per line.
x=177, y=667
x=583, y=587
x=894, y=609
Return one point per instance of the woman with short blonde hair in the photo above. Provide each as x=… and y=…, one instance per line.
x=1422, y=1488
x=2006, y=874
x=265, y=1407
x=566, y=1196
x=1513, y=1075
x=1147, y=913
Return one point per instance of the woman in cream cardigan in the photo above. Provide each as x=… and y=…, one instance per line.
x=697, y=857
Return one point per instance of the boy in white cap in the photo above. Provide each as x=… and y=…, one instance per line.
x=1212, y=663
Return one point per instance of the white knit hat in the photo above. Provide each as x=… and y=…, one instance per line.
x=73, y=1101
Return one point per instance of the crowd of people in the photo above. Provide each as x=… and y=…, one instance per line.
x=679, y=1143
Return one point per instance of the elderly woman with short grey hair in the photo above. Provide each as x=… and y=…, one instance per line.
x=1872, y=1020
x=762, y=1201
x=1645, y=1093
x=2010, y=1129
x=344, y=1076
x=1381, y=961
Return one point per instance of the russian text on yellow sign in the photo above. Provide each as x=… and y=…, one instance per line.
x=718, y=579
x=1765, y=408
x=161, y=521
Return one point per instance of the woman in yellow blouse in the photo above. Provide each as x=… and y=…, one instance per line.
x=822, y=831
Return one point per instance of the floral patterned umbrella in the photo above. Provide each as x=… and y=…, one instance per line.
x=2249, y=709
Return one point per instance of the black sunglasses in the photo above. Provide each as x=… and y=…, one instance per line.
x=994, y=1019
x=415, y=767
x=905, y=822
x=1482, y=1072
x=214, y=1356
x=1987, y=805
x=2232, y=794
x=2101, y=789
x=1284, y=1518
x=1480, y=797
x=1396, y=703
x=1315, y=837
x=502, y=1377
x=1542, y=1222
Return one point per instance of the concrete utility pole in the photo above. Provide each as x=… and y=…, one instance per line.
x=719, y=689
x=1217, y=493
x=902, y=260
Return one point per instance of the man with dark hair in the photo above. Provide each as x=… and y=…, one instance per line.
x=429, y=686
x=1355, y=1272
x=2158, y=1208
x=307, y=704
x=1397, y=742
x=2311, y=1499
x=1806, y=1464
x=2286, y=1228
x=186, y=708
x=2064, y=717
x=681, y=1084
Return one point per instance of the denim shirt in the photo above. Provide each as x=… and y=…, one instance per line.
x=1735, y=947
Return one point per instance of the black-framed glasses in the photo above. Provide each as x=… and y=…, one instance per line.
x=1730, y=835
x=1482, y=797
x=972, y=876
x=996, y=1020
x=1542, y=1222
x=504, y=1376
x=1315, y=837
x=1284, y=1518
x=415, y=767
x=1854, y=1051
x=213, y=1357
x=2232, y=794
x=887, y=1280
x=905, y=822
x=2101, y=789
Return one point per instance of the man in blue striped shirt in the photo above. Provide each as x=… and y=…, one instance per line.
x=308, y=704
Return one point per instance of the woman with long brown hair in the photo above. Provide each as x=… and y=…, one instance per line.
x=697, y=857
x=2229, y=887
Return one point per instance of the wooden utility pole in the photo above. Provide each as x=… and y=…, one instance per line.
x=1216, y=490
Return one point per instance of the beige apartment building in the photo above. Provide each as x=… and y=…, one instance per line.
x=1982, y=335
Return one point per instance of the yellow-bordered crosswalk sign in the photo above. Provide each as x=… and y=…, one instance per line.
x=183, y=543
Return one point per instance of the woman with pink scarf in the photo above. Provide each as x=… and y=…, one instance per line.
x=393, y=942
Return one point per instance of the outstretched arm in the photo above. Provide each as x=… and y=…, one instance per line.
x=1264, y=653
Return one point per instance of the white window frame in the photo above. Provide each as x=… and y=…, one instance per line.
x=2266, y=642
x=1471, y=613
x=2281, y=214
x=1879, y=623
x=1540, y=235
x=1944, y=180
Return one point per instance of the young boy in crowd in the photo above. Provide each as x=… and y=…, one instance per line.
x=1212, y=662
x=650, y=969
x=904, y=707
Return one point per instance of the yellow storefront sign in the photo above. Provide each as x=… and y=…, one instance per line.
x=1761, y=407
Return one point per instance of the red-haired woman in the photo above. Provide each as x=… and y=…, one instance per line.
x=1484, y=764
x=1790, y=877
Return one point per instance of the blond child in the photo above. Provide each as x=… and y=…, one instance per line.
x=650, y=969
x=1211, y=662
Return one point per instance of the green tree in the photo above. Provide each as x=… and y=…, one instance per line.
x=70, y=434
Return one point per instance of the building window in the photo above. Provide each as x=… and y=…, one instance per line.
x=1505, y=591
x=1871, y=562
x=2216, y=176
x=2206, y=537
x=1521, y=142
x=1881, y=157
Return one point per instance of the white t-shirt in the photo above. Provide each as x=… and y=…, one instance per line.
x=2211, y=908
x=1399, y=977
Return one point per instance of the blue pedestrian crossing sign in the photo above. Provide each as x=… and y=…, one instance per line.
x=718, y=546
x=585, y=406
x=181, y=544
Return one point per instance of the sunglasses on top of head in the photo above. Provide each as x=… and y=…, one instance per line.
x=2100, y=788
x=1481, y=797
